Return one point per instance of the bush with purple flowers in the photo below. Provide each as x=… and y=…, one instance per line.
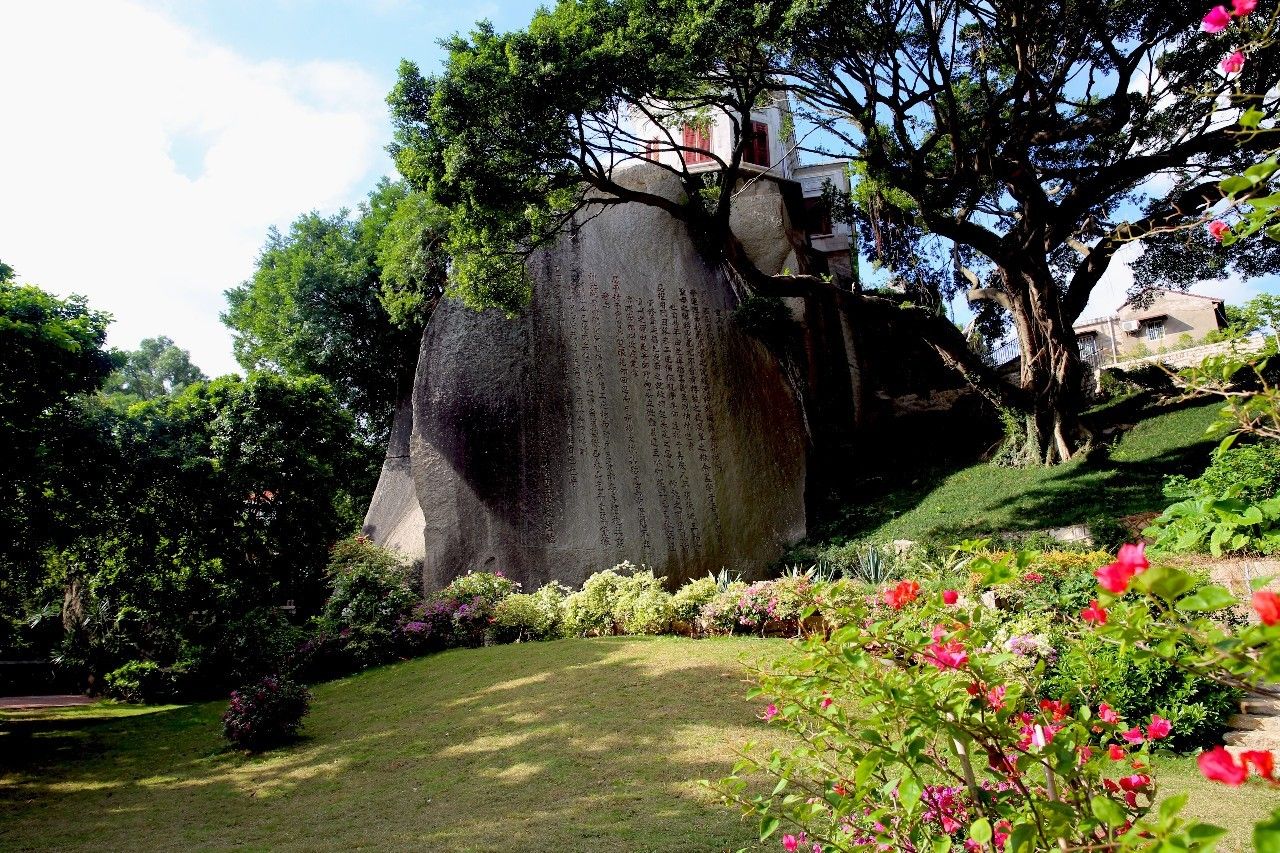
x=265, y=713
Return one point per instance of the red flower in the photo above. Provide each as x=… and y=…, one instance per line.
x=1217, y=20
x=1114, y=577
x=1094, y=613
x=1267, y=603
x=1136, y=782
x=1134, y=735
x=1217, y=228
x=1033, y=577
x=1056, y=707
x=995, y=697
x=1160, y=727
x=950, y=596
x=950, y=655
x=902, y=594
x=1107, y=714
x=1221, y=766
x=1116, y=752
x=1243, y=7
x=1134, y=556
x=1262, y=760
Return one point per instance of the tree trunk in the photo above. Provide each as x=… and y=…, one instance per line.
x=1052, y=375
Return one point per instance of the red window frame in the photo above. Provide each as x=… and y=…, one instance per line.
x=756, y=151
x=694, y=137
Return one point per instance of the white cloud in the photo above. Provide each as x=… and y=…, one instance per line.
x=141, y=164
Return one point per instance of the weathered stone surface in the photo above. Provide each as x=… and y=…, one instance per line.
x=623, y=415
x=394, y=519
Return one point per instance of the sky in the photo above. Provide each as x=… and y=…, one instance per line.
x=149, y=145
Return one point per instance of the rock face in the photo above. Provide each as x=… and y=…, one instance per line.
x=622, y=416
x=394, y=519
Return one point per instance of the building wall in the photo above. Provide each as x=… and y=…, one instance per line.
x=782, y=159
x=831, y=239
x=1160, y=325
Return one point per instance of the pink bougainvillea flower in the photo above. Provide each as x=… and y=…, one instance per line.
x=1134, y=556
x=1216, y=21
x=1221, y=766
x=1114, y=577
x=1086, y=753
x=1233, y=62
x=1243, y=7
x=825, y=703
x=1262, y=760
x=1217, y=228
x=770, y=711
x=901, y=595
x=790, y=843
x=1116, y=752
x=1134, y=735
x=1042, y=736
x=1267, y=604
x=995, y=697
x=1094, y=613
x=950, y=597
x=1159, y=728
x=950, y=655
x=1135, y=782
x=1107, y=714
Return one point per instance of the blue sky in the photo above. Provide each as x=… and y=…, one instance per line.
x=150, y=144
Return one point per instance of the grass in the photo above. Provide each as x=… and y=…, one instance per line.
x=982, y=499
x=563, y=746
x=569, y=745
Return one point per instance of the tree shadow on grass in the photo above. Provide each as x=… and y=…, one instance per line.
x=572, y=745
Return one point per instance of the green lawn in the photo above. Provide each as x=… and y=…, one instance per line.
x=981, y=499
x=590, y=745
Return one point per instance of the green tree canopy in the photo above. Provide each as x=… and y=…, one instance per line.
x=1024, y=135
x=315, y=305
x=157, y=368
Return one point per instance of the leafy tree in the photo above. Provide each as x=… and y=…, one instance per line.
x=1003, y=143
x=157, y=368
x=52, y=353
x=314, y=307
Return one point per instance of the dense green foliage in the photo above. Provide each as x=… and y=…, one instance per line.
x=315, y=304
x=157, y=368
x=154, y=522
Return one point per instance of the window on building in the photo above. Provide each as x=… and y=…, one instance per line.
x=817, y=216
x=651, y=149
x=757, y=148
x=1155, y=329
x=1088, y=345
x=700, y=138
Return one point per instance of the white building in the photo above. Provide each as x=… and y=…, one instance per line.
x=703, y=146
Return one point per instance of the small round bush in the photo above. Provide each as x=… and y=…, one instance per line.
x=482, y=588
x=141, y=681
x=535, y=616
x=430, y=627
x=589, y=612
x=687, y=603
x=1138, y=685
x=720, y=615
x=265, y=713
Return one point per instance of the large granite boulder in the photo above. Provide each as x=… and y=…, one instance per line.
x=394, y=519
x=624, y=415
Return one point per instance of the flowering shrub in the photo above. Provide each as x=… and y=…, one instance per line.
x=265, y=713
x=472, y=599
x=372, y=593
x=688, y=601
x=720, y=615
x=920, y=731
x=643, y=606
x=535, y=616
x=589, y=611
x=430, y=627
